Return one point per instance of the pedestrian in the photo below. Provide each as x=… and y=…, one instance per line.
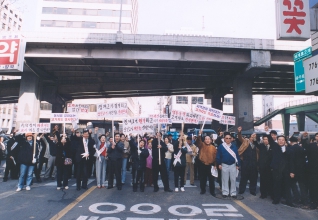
x=248, y=152
x=75, y=136
x=84, y=151
x=101, y=158
x=148, y=172
x=125, y=156
x=115, y=154
x=228, y=161
x=139, y=157
x=180, y=151
x=11, y=160
x=51, y=169
x=159, y=148
x=312, y=155
x=168, y=154
x=207, y=160
x=265, y=171
x=281, y=170
x=63, y=161
x=27, y=156
x=190, y=160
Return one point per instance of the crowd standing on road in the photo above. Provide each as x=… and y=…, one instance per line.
x=288, y=169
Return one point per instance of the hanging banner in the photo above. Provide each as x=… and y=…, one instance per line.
x=61, y=118
x=185, y=117
x=227, y=120
x=118, y=109
x=138, y=125
x=77, y=108
x=213, y=113
x=35, y=128
x=160, y=119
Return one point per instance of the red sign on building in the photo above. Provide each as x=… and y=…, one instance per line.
x=12, y=49
x=292, y=19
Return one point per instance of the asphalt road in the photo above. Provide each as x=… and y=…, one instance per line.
x=45, y=202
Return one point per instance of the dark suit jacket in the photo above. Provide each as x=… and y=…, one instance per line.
x=297, y=160
x=265, y=156
x=155, y=152
x=80, y=149
x=312, y=155
x=280, y=161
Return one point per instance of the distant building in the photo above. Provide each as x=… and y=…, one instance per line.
x=188, y=32
x=11, y=19
x=89, y=16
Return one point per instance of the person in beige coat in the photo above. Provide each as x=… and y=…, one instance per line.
x=190, y=157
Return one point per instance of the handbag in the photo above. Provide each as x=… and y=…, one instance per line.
x=68, y=161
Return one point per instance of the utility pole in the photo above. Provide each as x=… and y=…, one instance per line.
x=120, y=14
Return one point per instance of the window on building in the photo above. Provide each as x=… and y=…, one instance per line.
x=197, y=100
x=47, y=10
x=92, y=108
x=63, y=11
x=105, y=12
x=208, y=101
x=87, y=24
x=126, y=13
x=4, y=110
x=9, y=29
x=3, y=26
x=11, y=11
x=47, y=23
x=10, y=19
x=4, y=16
x=104, y=25
x=60, y=23
x=19, y=28
x=228, y=101
x=16, y=15
x=14, y=24
x=91, y=12
x=9, y=111
x=76, y=24
x=182, y=99
x=20, y=19
x=45, y=106
x=77, y=11
x=8, y=125
x=6, y=7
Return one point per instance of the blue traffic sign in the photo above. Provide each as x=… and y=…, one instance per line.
x=303, y=54
x=299, y=73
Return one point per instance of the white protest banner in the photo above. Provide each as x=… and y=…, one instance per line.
x=138, y=125
x=118, y=109
x=35, y=128
x=214, y=114
x=185, y=117
x=61, y=118
x=160, y=118
x=227, y=120
x=77, y=108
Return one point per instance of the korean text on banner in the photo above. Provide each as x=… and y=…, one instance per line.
x=227, y=120
x=61, y=118
x=209, y=112
x=35, y=128
x=160, y=118
x=138, y=125
x=118, y=109
x=186, y=117
x=77, y=108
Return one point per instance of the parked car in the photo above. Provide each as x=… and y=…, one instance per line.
x=205, y=132
x=311, y=134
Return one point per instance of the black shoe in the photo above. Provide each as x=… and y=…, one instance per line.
x=156, y=189
x=142, y=190
x=119, y=188
x=224, y=196
x=202, y=192
x=168, y=190
x=253, y=193
x=84, y=187
x=275, y=202
x=213, y=194
x=241, y=192
x=290, y=204
x=313, y=206
x=78, y=188
x=39, y=180
x=5, y=179
x=263, y=197
x=234, y=197
x=110, y=187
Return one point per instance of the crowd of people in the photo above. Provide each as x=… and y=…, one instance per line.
x=288, y=169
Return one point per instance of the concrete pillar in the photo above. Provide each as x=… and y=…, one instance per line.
x=29, y=98
x=301, y=121
x=286, y=123
x=216, y=102
x=243, y=103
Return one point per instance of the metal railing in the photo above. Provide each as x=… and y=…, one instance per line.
x=297, y=102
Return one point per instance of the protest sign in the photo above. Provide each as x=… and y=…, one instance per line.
x=35, y=128
x=227, y=120
x=185, y=117
x=138, y=125
x=118, y=109
x=214, y=114
x=160, y=118
x=61, y=118
x=77, y=108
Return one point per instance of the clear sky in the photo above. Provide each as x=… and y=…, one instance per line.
x=224, y=18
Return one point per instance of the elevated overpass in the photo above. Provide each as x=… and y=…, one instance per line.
x=62, y=67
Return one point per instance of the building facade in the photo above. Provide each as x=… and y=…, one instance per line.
x=88, y=16
x=11, y=19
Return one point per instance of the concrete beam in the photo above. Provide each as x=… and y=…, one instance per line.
x=313, y=116
x=260, y=62
x=301, y=119
x=286, y=123
x=216, y=102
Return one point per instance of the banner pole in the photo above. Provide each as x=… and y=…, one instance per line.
x=203, y=124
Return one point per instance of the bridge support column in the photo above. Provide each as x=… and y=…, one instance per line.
x=243, y=103
x=286, y=123
x=301, y=121
x=216, y=102
x=29, y=99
